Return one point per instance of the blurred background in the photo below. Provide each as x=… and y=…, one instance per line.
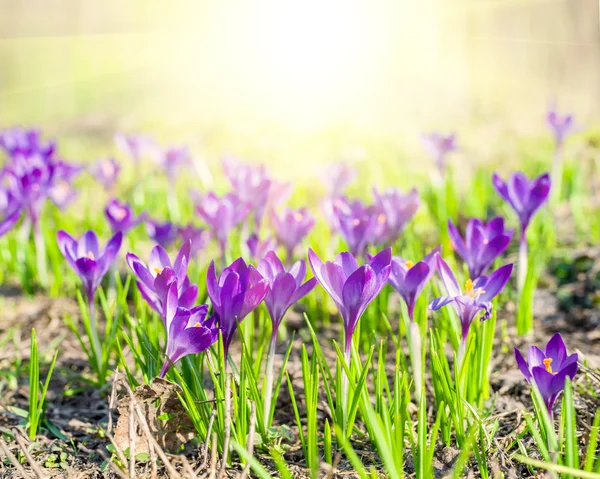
x=289, y=82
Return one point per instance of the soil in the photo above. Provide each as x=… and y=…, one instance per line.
x=77, y=445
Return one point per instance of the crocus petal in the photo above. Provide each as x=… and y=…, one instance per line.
x=303, y=290
x=558, y=379
x=522, y=365
x=140, y=270
x=416, y=277
x=212, y=284
x=543, y=380
x=535, y=357
x=440, y=302
x=171, y=305
x=110, y=252
x=159, y=259
x=348, y=263
x=88, y=244
x=189, y=296
x=496, y=282
x=456, y=240
x=556, y=350
x=253, y=297
x=448, y=278
x=9, y=222
x=501, y=187
x=358, y=291
x=181, y=261
x=381, y=260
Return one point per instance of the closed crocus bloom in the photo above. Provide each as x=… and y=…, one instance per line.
x=285, y=287
x=291, y=227
x=548, y=369
x=87, y=259
x=121, y=216
x=222, y=215
x=237, y=291
x=106, y=172
x=409, y=278
x=258, y=248
x=394, y=210
x=482, y=244
x=188, y=330
x=561, y=126
x=475, y=299
x=438, y=145
x=155, y=279
x=163, y=234
x=351, y=287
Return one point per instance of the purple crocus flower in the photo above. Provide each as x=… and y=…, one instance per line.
x=172, y=160
x=234, y=294
x=9, y=222
x=199, y=237
x=155, y=279
x=258, y=248
x=526, y=197
x=135, y=146
x=410, y=278
x=121, y=216
x=251, y=184
x=561, y=126
x=188, y=330
x=163, y=234
x=106, y=171
x=291, y=227
x=337, y=177
x=482, y=243
x=394, y=210
x=26, y=142
x=475, y=299
x=351, y=287
x=222, y=215
x=438, y=145
x=285, y=287
x=356, y=223
x=87, y=259
x=548, y=369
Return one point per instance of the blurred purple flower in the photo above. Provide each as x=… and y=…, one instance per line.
x=476, y=298
x=352, y=288
x=234, y=294
x=482, y=244
x=172, y=160
x=188, y=330
x=121, y=216
x=291, y=227
x=106, y=172
x=258, y=248
x=356, y=223
x=394, y=210
x=285, y=287
x=336, y=178
x=524, y=195
x=410, y=278
x=87, y=259
x=548, y=369
x=155, y=279
x=9, y=222
x=25, y=142
x=438, y=145
x=561, y=126
x=163, y=234
x=250, y=183
x=222, y=215
x=134, y=146
x=199, y=237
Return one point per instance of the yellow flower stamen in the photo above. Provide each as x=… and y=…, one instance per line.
x=158, y=270
x=471, y=291
x=298, y=216
x=409, y=264
x=381, y=219
x=197, y=325
x=356, y=222
x=90, y=255
x=548, y=363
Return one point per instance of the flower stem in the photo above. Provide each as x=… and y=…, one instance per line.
x=415, y=357
x=40, y=254
x=173, y=205
x=557, y=174
x=269, y=380
x=346, y=379
x=522, y=270
x=227, y=425
x=95, y=339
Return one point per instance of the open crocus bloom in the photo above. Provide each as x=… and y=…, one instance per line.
x=548, y=369
x=410, y=278
x=285, y=287
x=352, y=287
x=87, y=259
x=188, y=330
x=155, y=279
x=476, y=297
x=482, y=243
x=238, y=291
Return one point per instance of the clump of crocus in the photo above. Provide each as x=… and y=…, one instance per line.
x=237, y=291
x=121, y=216
x=336, y=178
x=251, y=183
x=409, y=279
x=90, y=263
x=285, y=289
x=188, y=330
x=291, y=227
x=474, y=300
x=482, y=244
x=106, y=172
x=155, y=279
x=393, y=210
x=222, y=215
x=438, y=146
x=199, y=237
x=258, y=248
x=163, y=234
x=547, y=370
x=526, y=197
